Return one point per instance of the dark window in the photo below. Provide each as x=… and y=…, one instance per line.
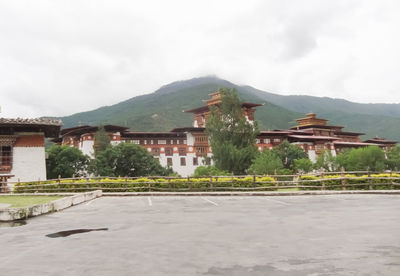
x=182, y=151
x=5, y=158
x=195, y=161
x=155, y=151
x=183, y=161
x=168, y=151
x=169, y=162
x=207, y=161
x=200, y=151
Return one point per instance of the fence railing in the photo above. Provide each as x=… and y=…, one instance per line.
x=354, y=180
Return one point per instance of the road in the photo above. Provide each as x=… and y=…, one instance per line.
x=289, y=235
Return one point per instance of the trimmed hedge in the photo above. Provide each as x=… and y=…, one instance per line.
x=266, y=183
x=352, y=182
x=145, y=184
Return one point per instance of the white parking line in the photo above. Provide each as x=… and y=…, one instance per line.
x=277, y=201
x=212, y=202
x=149, y=200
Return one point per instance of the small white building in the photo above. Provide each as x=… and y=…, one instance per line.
x=22, y=147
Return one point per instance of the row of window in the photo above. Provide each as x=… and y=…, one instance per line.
x=168, y=151
x=183, y=161
x=158, y=142
x=201, y=139
x=267, y=141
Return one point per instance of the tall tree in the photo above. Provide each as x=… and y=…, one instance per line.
x=65, y=161
x=232, y=136
x=101, y=140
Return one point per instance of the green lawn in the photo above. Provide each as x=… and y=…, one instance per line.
x=23, y=201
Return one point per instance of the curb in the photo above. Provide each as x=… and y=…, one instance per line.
x=292, y=193
x=11, y=214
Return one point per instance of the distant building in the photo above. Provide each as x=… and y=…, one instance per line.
x=22, y=147
x=186, y=148
x=314, y=136
x=82, y=137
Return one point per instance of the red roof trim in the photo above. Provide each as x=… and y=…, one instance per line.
x=313, y=137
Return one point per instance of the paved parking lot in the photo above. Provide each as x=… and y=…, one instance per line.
x=303, y=235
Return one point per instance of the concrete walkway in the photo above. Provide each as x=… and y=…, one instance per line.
x=256, y=193
x=204, y=235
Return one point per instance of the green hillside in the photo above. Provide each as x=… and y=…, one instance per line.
x=305, y=104
x=163, y=110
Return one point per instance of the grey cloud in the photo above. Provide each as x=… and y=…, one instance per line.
x=61, y=57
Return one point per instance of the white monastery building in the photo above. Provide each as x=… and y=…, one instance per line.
x=186, y=148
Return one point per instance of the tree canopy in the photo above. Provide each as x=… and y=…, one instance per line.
x=326, y=161
x=101, y=140
x=369, y=158
x=288, y=153
x=65, y=161
x=393, y=159
x=232, y=136
x=266, y=162
x=127, y=160
x=303, y=165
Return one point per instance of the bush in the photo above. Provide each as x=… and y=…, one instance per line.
x=209, y=171
x=303, y=165
x=65, y=161
x=266, y=162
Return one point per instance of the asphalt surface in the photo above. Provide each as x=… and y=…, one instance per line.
x=291, y=235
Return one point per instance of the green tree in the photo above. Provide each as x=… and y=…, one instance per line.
x=266, y=162
x=326, y=161
x=232, y=137
x=368, y=158
x=303, y=165
x=393, y=159
x=65, y=161
x=127, y=160
x=101, y=140
x=288, y=153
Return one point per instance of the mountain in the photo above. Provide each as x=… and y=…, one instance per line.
x=162, y=109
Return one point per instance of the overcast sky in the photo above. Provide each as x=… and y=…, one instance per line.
x=62, y=57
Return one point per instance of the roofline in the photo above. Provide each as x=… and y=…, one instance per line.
x=349, y=133
x=206, y=107
x=315, y=126
x=188, y=129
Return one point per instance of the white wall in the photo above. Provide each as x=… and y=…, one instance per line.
x=86, y=147
x=176, y=163
x=189, y=139
x=312, y=155
x=29, y=163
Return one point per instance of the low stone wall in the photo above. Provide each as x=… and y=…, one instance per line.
x=11, y=214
